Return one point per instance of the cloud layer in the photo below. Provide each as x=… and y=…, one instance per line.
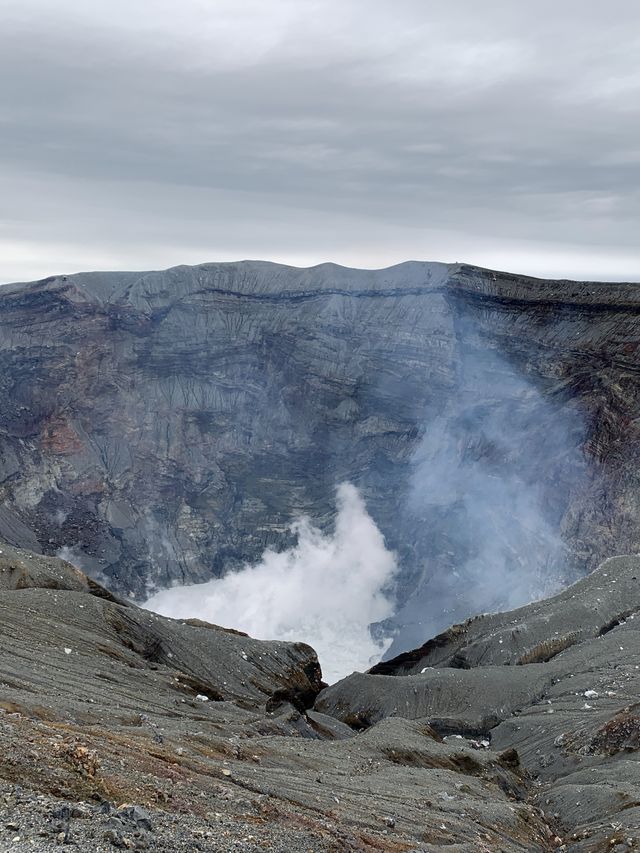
x=146, y=134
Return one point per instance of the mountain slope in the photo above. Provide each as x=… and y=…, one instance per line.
x=124, y=730
x=168, y=426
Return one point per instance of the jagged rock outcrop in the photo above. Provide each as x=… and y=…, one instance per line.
x=556, y=683
x=88, y=622
x=124, y=730
x=168, y=426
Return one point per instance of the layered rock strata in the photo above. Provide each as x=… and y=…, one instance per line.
x=167, y=427
x=124, y=730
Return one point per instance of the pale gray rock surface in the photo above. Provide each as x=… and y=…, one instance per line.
x=166, y=427
x=572, y=718
x=123, y=730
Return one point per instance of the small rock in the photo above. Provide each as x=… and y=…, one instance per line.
x=137, y=815
x=114, y=837
x=62, y=813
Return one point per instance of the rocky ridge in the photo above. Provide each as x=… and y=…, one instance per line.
x=168, y=426
x=121, y=729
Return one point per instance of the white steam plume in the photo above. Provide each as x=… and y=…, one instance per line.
x=489, y=494
x=326, y=591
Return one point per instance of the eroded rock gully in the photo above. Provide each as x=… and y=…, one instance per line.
x=120, y=728
x=168, y=426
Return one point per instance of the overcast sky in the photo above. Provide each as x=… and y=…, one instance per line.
x=138, y=134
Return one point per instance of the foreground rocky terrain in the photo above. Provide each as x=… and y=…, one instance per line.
x=168, y=426
x=120, y=729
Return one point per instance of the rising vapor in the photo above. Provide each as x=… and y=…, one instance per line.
x=326, y=590
x=488, y=494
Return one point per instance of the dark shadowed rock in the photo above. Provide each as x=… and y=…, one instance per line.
x=167, y=426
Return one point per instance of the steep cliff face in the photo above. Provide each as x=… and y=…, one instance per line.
x=169, y=426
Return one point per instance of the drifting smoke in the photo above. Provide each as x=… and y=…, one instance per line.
x=491, y=481
x=69, y=555
x=325, y=591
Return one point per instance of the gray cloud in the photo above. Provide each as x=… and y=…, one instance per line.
x=140, y=135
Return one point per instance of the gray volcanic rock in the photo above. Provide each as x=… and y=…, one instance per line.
x=24, y=570
x=108, y=742
x=124, y=730
x=168, y=426
x=572, y=719
x=533, y=634
x=68, y=620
